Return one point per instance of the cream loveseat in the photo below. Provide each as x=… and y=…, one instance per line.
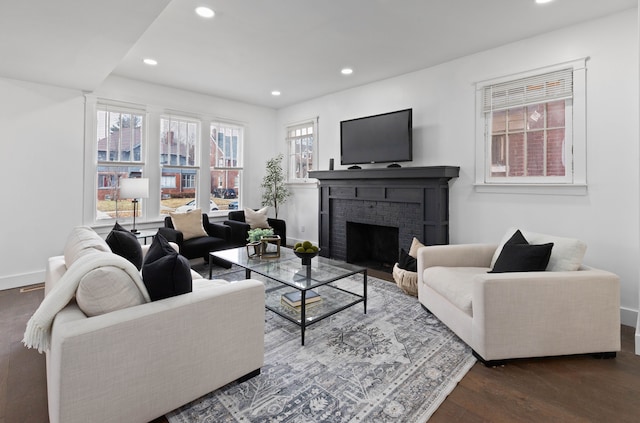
x=140, y=362
x=567, y=309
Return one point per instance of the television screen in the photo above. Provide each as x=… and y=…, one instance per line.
x=383, y=138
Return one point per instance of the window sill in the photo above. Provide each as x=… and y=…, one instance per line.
x=304, y=183
x=536, y=189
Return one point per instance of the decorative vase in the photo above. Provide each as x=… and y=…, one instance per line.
x=254, y=249
x=270, y=252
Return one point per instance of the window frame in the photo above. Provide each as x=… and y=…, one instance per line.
x=92, y=165
x=313, y=123
x=239, y=165
x=575, y=180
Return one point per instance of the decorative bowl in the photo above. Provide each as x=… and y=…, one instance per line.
x=306, y=257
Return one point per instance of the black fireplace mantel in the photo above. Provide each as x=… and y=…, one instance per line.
x=415, y=199
x=447, y=172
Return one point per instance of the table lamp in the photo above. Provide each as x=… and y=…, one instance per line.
x=134, y=188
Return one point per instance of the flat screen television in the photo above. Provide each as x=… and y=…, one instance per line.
x=384, y=138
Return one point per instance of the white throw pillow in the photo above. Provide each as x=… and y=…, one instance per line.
x=415, y=244
x=189, y=223
x=256, y=219
x=107, y=289
x=566, y=254
x=83, y=240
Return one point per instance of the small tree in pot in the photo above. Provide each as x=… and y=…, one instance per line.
x=274, y=189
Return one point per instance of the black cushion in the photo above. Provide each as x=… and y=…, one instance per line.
x=523, y=258
x=125, y=244
x=165, y=273
x=406, y=262
x=517, y=238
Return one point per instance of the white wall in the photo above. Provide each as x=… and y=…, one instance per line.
x=41, y=167
x=443, y=102
x=42, y=162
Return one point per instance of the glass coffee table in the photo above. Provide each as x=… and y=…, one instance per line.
x=287, y=275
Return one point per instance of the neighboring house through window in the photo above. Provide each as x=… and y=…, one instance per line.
x=302, y=144
x=119, y=145
x=179, y=140
x=531, y=130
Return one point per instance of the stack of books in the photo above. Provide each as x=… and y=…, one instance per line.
x=294, y=299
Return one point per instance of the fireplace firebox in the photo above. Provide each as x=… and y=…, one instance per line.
x=372, y=246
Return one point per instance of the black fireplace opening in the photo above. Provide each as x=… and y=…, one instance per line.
x=372, y=246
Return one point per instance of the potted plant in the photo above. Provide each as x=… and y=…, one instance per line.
x=255, y=235
x=255, y=247
x=274, y=189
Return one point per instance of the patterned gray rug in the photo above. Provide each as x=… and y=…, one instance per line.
x=395, y=363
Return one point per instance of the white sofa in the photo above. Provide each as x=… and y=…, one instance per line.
x=138, y=363
x=519, y=314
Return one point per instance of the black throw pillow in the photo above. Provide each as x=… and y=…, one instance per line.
x=125, y=244
x=165, y=273
x=517, y=238
x=406, y=262
x=159, y=247
x=523, y=258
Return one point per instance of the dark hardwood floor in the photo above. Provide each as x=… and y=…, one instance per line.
x=561, y=389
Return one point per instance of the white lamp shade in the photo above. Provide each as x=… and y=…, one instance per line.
x=134, y=188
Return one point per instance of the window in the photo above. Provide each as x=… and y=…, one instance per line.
x=301, y=139
x=188, y=180
x=531, y=128
x=117, y=147
x=226, y=142
x=179, y=162
x=118, y=137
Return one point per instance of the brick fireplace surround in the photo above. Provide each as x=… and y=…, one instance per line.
x=413, y=199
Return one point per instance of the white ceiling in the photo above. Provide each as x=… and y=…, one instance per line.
x=252, y=47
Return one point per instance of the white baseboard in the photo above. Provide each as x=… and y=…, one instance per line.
x=628, y=317
x=20, y=280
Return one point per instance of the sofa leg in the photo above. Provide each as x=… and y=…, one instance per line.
x=488, y=363
x=425, y=309
x=604, y=355
x=248, y=376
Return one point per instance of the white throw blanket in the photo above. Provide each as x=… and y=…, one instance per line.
x=38, y=332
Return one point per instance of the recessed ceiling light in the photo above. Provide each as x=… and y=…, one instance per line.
x=275, y=93
x=543, y=1
x=346, y=71
x=150, y=62
x=205, y=12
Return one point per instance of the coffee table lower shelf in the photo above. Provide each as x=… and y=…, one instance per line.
x=329, y=278
x=334, y=300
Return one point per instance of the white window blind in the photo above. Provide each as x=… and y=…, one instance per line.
x=557, y=85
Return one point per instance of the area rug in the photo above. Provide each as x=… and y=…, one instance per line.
x=397, y=363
